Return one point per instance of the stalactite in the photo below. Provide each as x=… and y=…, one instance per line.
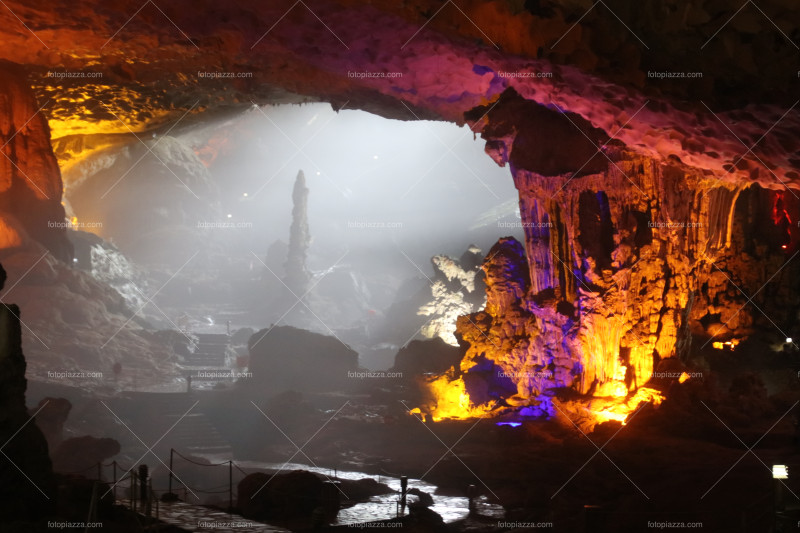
x=622, y=264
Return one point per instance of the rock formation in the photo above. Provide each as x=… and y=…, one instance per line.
x=286, y=496
x=28, y=491
x=297, y=275
x=620, y=267
x=80, y=454
x=154, y=197
x=428, y=356
x=30, y=181
x=653, y=208
x=456, y=291
x=286, y=358
x=52, y=413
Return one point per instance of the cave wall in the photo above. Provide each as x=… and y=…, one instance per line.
x=30, y=180
x=27, y=488
x=621, y=269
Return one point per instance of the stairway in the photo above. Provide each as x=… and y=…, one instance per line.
x=151, y=415
x=210, y=350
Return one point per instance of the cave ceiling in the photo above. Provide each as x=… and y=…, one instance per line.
x=125, y=67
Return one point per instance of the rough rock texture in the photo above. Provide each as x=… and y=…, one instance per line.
x=594, y=60
x=52, y=413
x=624, y=257
x=297, y=275
x=28, y=489
x=456, y=291
x=155, y=198
x=286, y=496
x=108, y=265
x=80, y=454
x=30, y=181
x=420, y=357
x=619, y=268
x=76, y=324
x=286, y=358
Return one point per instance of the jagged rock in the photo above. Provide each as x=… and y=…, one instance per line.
x=53, y=412
x=28, y=490
x=612, y=280
x=286, y=496
x=297, y=275
x=30, y=180
x=455, y=290
x=78, y=454
x=108, y=265
x=420, y=357
x=89, y=321
x=155, y=197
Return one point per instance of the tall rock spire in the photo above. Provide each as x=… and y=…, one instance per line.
x=297, y=276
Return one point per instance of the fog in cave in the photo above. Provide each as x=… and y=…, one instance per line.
x=374, y=215
x=439, y=266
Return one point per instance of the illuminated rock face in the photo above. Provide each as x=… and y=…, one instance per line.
x=30, y=181
x=619, y=269
x=456, y=291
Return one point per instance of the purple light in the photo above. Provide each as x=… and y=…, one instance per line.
x=512, y=424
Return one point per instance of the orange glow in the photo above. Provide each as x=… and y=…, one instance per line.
x=621, y=410
x=450, y=400
x=683, y=378
x=9, y=237
x=731, y=344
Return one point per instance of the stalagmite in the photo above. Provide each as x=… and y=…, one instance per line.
x=297, y=275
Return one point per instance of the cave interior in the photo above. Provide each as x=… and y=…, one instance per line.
x=417, y=264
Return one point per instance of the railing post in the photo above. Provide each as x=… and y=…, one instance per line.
x=230, y=481
x=403, y=490
x=134, y=489
x=170, y=470
x=148, y=508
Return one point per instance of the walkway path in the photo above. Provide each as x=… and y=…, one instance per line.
x=195, y=518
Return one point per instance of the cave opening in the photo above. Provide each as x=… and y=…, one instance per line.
x=219, y=191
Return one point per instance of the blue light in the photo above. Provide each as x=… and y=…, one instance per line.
x=512, y=424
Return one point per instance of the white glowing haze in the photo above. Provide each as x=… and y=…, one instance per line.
x=416, y=186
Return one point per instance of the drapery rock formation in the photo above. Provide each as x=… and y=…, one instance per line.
x=620, y=268
x=30, y=181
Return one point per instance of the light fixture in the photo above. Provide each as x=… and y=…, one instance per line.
x=780, y=472
x=245, y=195
x=788, y=340
x=230, y=215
